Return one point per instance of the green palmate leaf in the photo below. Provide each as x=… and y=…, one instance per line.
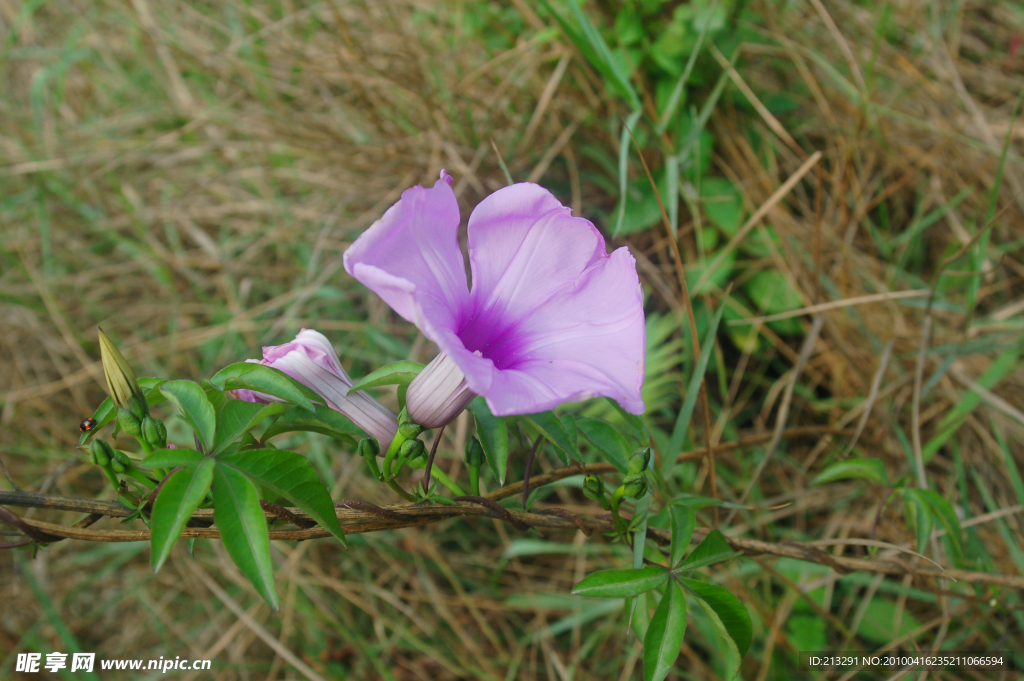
x=683, y=523
x=290, y=475
x=944, y=513
x=264, y=379
x=195, y=407
x=323, y=420
x=243, y=528
x=172, y=458
x=714, y=549
x=621, y=583
x=238, y=416
x=607, y=440
x=178, y=499
x=553, y=430
x=918, y=515
x=730, y=612
x=665, y=633
x=693, y=389
x=493, y=434
x=399, y=373
x=869, y=469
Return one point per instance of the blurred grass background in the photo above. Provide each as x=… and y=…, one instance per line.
x=187, y=176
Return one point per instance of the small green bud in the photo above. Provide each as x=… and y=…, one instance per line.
x=368, y=447
x=100, y=453
x=129, y=422
x=639, y=461
x=635, y=486
x=593, y=488
x=154, y=431
x=412, y=450
x=410, y=430
x=475, y=457
x=119, y=461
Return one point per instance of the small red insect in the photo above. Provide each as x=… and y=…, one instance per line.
x=87, y=425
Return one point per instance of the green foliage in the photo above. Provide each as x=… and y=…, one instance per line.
x=868, y=469
x=180, y=496
x=195, y=407
x=264, y=379
x=493, y=435
x=554, y=430
x=398, y=373
x=665, y=633
x=237, y=512
x=621, y=583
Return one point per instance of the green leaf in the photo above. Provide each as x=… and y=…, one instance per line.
x=238, y=416
x=324, y=420
x=493, y=434
x=553, y=430
x=178, y=499
x=172, y=458
x=399, y=373
x=693, y=389
x=697, y=502
x=594, y=49
x=683, y=523
x=607, y=440
x=290, y=475
x=771, y=293
x=714, y=549
x=621, y=583
x=730, y=611
x=264, y=379
x=918, y=515
x=946, y=516
x=243, y=528
x=869, y=469
x=624, y=168
x=665, y=633
x=196, y=408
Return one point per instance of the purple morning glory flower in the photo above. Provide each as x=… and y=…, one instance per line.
x=552, y=317
x=311, y=360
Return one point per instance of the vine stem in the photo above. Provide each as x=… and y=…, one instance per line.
x=430, y=459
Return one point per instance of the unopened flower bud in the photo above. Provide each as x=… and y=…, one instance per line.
x=639, y=461
x=410, y=430
x=154, y=431
x=438, y=393
x=593, y=488
x=475, y=457
x=635, y=486
x=412, y=450
x=129, y=422
x=368, y=446
x=121, y=382
x=119, y=461
x=369, y=449
x=100, y=453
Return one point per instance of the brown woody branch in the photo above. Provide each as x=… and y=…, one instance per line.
x=357, y=518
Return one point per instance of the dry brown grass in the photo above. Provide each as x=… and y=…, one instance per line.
x=191, y=180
